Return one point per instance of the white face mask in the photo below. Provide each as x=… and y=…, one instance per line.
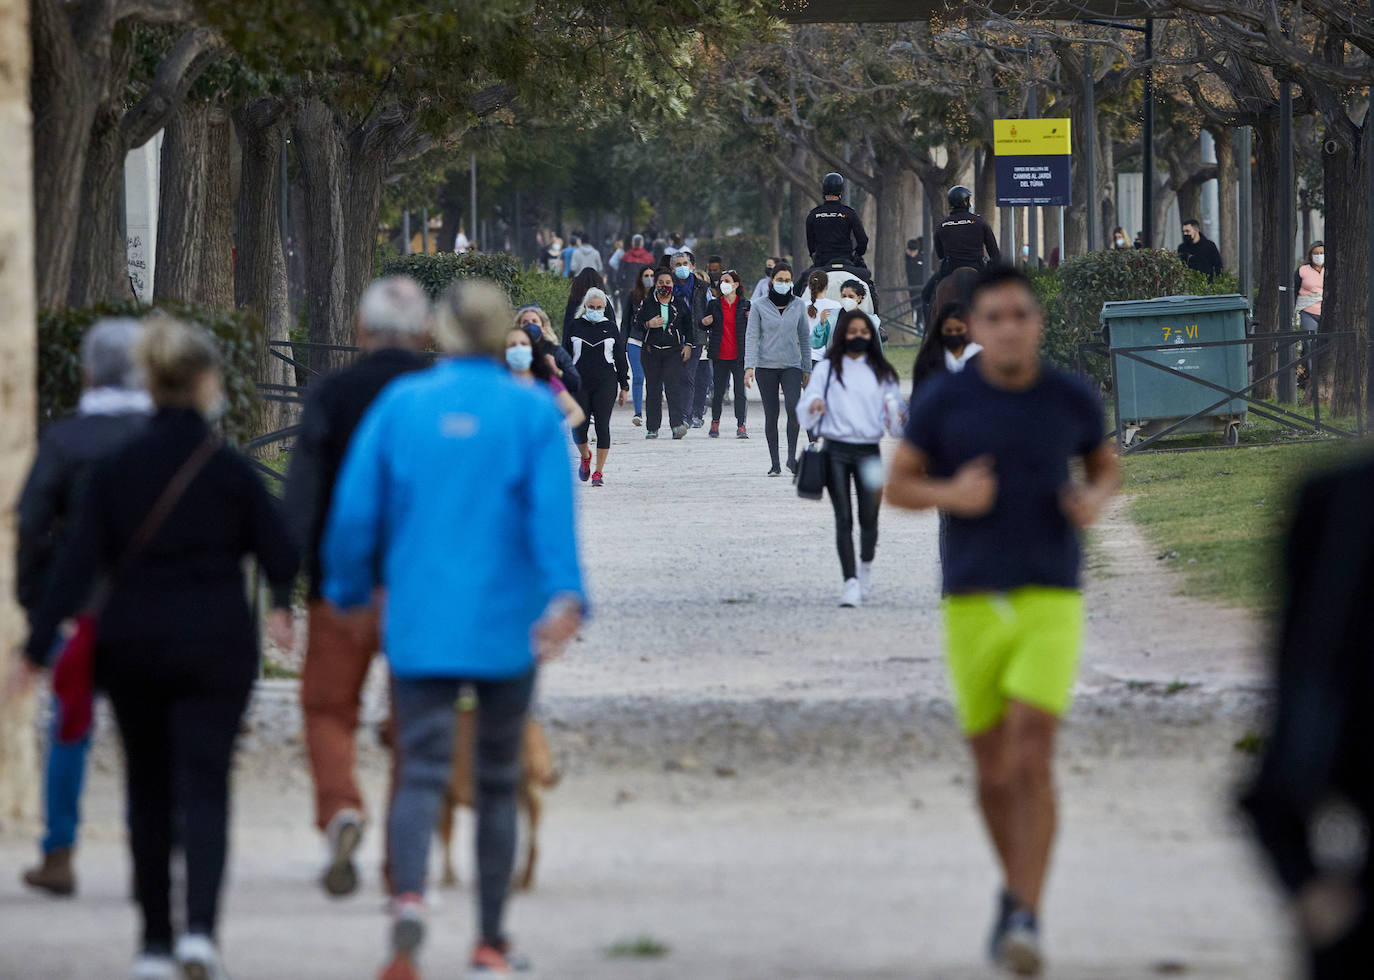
x=782, y=288
x=648, y=282
x=849, y=303
x=1319, y=260
x=726, y=288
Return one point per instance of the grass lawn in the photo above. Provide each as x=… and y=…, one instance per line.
x=1224, y=512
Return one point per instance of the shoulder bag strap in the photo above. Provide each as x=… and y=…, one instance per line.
x=825, y=397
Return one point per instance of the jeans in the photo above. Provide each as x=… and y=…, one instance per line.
x=724, y=372
x=688, y=385
x=635, y=353
x=701, y=388
x=789, y=382
x=425, y=721
x=663, y=371
x=62, y=781
x=845, y=465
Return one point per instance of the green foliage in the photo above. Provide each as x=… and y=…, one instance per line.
x=638, y=948
x=743, y=253
x=545, y=289
x=437, y=272
x=238, y=334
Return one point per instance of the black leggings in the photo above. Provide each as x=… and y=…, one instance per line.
x=721, y=372
x=597, y=399
x=789, y=382
x=178, y=732
x=662, y=377
x=845, y=466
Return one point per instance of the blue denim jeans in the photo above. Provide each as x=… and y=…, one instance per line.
x=66, y=772
x=635, y=354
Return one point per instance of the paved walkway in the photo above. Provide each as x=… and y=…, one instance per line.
x=767, y=784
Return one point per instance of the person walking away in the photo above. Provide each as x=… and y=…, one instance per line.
x=455, y=498
x=762, y=287
x=598, y=349
x=694, y=295
x=915, y=276
x=945, y=348
x=584, y=256
x=777, y=350
x=634, y=344
x=113, y=408
x=585, y=280
x=1314, y=784
x=617, y=256
x=834, y=230
x=393, y=329
x=1199, y=252
x=636, y=259
x=535, y=321
x=854, y=397
x=1013, y=611
x=1119, y=240
x=554, y=255
x=531, y=369
x=961, y=240
x=663, y=326
x=167, y=522
x=726, y=318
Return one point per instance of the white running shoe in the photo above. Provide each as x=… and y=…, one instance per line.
x=198, y=958
x=344, y=834
x=866, y=578
x=853, y=594
x=153, y=967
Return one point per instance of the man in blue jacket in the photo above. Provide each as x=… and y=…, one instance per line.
x=456, y=498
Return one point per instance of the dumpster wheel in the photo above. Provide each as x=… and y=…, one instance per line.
x=1232, y=433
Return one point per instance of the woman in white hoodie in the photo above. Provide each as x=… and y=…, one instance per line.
x=852, y=398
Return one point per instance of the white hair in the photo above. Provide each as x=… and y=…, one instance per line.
x=591, y=294
x=107, y=353
x=395, y=305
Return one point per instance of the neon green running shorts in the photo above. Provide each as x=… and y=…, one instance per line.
x=1022, y=646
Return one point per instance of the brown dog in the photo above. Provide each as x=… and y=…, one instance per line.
x=537, y=774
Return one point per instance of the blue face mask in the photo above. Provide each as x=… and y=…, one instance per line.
x=682, y=272
x=782, y=288
x=594, y=316
x=534, y=330
x=520, y=358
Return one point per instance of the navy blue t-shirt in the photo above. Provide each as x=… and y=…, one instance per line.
x=1032, y=436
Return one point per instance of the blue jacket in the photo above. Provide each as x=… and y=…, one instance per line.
x=456, y=497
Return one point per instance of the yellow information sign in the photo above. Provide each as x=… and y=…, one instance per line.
x=1031, y=137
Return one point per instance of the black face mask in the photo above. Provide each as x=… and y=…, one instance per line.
x=954, y=341
x=856, y=345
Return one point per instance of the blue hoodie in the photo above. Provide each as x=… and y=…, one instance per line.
x=456, y=497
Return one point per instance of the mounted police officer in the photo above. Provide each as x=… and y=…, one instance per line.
x=835, y=233
x=960, y=240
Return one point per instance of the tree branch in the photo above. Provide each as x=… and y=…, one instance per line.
x=194, y=51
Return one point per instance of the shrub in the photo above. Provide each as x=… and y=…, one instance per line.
x=238, y=334
x=545, y=289
x=437, y=272
x=743, y=253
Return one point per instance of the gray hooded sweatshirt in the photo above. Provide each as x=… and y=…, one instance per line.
x=778, y=338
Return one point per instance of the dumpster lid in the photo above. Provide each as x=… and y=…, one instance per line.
x=1173, y=305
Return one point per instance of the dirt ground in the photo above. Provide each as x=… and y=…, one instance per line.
x=767, y=785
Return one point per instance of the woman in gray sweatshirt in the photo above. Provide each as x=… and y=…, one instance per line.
x=777, y=351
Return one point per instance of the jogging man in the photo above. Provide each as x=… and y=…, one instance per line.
x=960, y=241
x=992, y=446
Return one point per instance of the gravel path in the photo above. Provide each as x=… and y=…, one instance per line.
x=768, y=784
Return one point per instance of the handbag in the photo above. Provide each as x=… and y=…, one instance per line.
x=73, y=676
x=810, y=477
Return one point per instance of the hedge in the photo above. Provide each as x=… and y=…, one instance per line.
x=524, y=286
x=238, y=334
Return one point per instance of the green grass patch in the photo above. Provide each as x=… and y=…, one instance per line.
x=273, y=671
x=639, y=948
x=1224, y=513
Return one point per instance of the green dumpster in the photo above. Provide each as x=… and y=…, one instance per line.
x=1148, y=399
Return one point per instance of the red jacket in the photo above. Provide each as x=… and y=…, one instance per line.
x=637, y=256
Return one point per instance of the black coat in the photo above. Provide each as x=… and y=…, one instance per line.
x=834, y=231
x=1202, y=256
x=52, y=494
x=716, y=327
x=961, y=239
x=333, y=408
x=677, y=332
x=185, y=591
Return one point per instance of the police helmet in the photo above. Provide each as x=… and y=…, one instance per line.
x=832, y=184
x=960, y=197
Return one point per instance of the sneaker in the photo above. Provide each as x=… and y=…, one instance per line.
x=741, y=433
x=198, y=958
x=154, y=966
x=584, y=471
x=698, y=422
x=866, y=578
x=638, y=420
x=680, y=431
x=1007, y=904
x=344, y=833
x=715, y=429
x=597, y=480
x=651, y=434
x=853, y=596
x=407, y=935
x=496, y=959
x=1020, y=952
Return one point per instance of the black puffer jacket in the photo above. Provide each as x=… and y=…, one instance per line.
x=716, y=328
x=677, y=332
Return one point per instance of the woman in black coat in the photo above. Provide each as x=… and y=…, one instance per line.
x=177, y=647
x=725, y=319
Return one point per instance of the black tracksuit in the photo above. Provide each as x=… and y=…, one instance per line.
x=177, y=648
x=662, y=358
x=723, y=371
x=598, y=350
x=835, y=233
x=333, y=408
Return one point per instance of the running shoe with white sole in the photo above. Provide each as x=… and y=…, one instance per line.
x=638, y=420
x=154, y=966
x=407, y=936
x=853, y=594
x=680, y=431
x=598, y=480
x=866, y=578
x=651, y=434
x=495, y=960
x=198, y=958
x=344, y=833
x=742, y=432
x=1007, y=903
x=1021, y=945
x=584, y=472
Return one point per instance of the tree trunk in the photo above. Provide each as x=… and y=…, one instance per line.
x=1228, y=205
x=1266, y=224
x=217, y=264
x=887, y=250
x=64, y=100
x=321, y=154
x=1345, y=175
x=772, y=210
x=181, y=212
x=985, y=194
x=18, y=747
x=100, y=265
x=368, y=161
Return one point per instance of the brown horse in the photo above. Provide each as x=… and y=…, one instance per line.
x=953, y=288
